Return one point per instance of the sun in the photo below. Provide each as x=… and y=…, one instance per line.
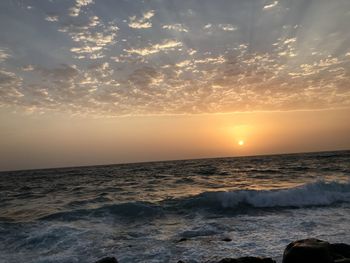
x=240, y=142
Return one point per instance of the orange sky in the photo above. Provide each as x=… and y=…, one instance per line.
x=52, y=141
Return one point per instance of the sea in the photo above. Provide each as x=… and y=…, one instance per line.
x=192, y=210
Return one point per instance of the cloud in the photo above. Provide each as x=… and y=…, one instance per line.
x=272, y=64
x=176, y=27
x=8, y=79
x=142, y=22
x=286, y=47
x=58, y=89
x=165, y=45
x=51, y=18
x=269, y=6
x=10, y=85
x=142, y=77
x=92, y=37
x=290, y=40
x=248, y=81
x=4, y=55
x=191, y=51
x=183, y=63
x=64, y=72
x=27, y=68
x=75, y=10
x=209, y=60
x=227, y=27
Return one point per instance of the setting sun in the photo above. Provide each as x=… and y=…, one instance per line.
x=240, y=142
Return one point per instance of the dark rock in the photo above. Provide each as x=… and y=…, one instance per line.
x=344, y=260
x=340, y=251
x=107, y=260
x=226, y=239
x=247, y=260
x=308, y=251
x=228, y=260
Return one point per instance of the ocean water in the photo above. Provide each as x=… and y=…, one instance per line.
x=177, y=210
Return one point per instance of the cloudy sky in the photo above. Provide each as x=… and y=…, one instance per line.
x=134, y=59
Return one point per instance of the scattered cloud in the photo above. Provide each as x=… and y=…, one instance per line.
x=27, y=68
x=176, y=27
x=63, y=72
x=8, y=78
x=75, y=10
x=4, y=55
x=10, y=85
x=97, y=68
x=91, y=38
x=286, y=47
x=191, y=51
x=183, y=63
x=165, y=45
x=142, y=22
x=272, y=5
x=209, y=60
x=51, y=18
x=290, y=40
x=227, y=27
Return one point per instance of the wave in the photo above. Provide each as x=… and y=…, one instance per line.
x=123, y=210
x=313, y=194
x=78, y=203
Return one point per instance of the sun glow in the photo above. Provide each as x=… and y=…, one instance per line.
x=240, y=142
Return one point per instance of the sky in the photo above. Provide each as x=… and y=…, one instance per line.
x=86, y=82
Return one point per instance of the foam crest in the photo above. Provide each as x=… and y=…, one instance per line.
x=313, y=194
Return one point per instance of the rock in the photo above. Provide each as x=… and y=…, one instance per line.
x=345, y=260
x=340, y=251
x=247, y=260
x=107, y=260
x=308, y=251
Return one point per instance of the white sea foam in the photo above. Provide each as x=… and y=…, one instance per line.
x=312, y=194
x=318, y=193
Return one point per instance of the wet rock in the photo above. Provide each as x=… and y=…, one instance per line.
x=107, y=260
x=308, y=251
x=247, y=260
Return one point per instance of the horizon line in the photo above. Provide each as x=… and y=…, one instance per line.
x=171, y=160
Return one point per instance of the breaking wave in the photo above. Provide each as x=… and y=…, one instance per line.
x=312, y=194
